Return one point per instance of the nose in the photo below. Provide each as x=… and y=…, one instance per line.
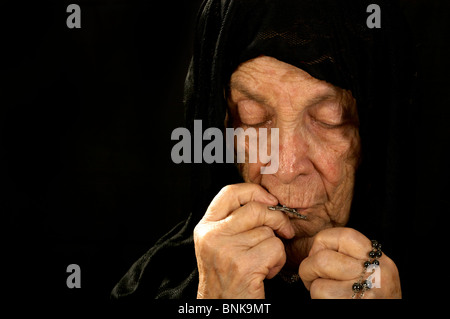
x=293, y=157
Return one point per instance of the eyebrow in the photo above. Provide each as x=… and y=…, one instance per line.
x=258, y=98
x=319, y=99
x=254, y=96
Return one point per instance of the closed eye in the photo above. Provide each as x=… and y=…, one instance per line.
x=328, y=125
x=257, y=125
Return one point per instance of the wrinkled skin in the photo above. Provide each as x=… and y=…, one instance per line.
x=239, y=242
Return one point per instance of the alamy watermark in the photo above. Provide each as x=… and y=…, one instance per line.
x=74, y=279
x=241, y=146
x=74, y=19
x=374, y=19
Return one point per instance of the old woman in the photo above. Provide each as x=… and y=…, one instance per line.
x=338, y=89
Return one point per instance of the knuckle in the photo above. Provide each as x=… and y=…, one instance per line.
x=230, y=192
x=355, y=237
x=278, y=243
x=229, y=189
x=319, y=237
x=197, y=233
x=350, y=233
x=322, y=259
x=205, y=239
x=226, y=189
x=278, y=247
x=200, y=231
x=234, y=189
x=303, y=271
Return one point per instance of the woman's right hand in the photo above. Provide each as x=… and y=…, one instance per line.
x=235, y=243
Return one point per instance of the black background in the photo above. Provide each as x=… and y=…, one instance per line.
x=85, y=121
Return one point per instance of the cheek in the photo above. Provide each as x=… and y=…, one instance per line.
x=335, y=159
x=331, y=168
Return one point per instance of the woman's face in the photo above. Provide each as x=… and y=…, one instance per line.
x=319, y=142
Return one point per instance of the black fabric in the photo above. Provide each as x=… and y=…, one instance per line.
x=331, y=41
x=168, y=268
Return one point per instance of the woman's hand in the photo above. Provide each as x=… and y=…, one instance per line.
x=336, y=262
x=235, y=243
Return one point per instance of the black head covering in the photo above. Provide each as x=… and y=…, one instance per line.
x=332, y=42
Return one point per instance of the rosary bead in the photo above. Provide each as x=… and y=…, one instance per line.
x=362, y=286
x=367, y=284
x=356, y=287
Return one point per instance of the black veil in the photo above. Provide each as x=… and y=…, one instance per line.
x=331, y=41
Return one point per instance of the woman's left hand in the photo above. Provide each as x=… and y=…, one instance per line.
x=336, y=261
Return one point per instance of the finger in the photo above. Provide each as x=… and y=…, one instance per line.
x=344, y=240
x=232, y=197
x=256, y=214
x=254, y=236
x=329, y=264
x=331, y=289
x=272, y=257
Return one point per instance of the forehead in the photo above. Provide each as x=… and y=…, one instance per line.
x=268, y=78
